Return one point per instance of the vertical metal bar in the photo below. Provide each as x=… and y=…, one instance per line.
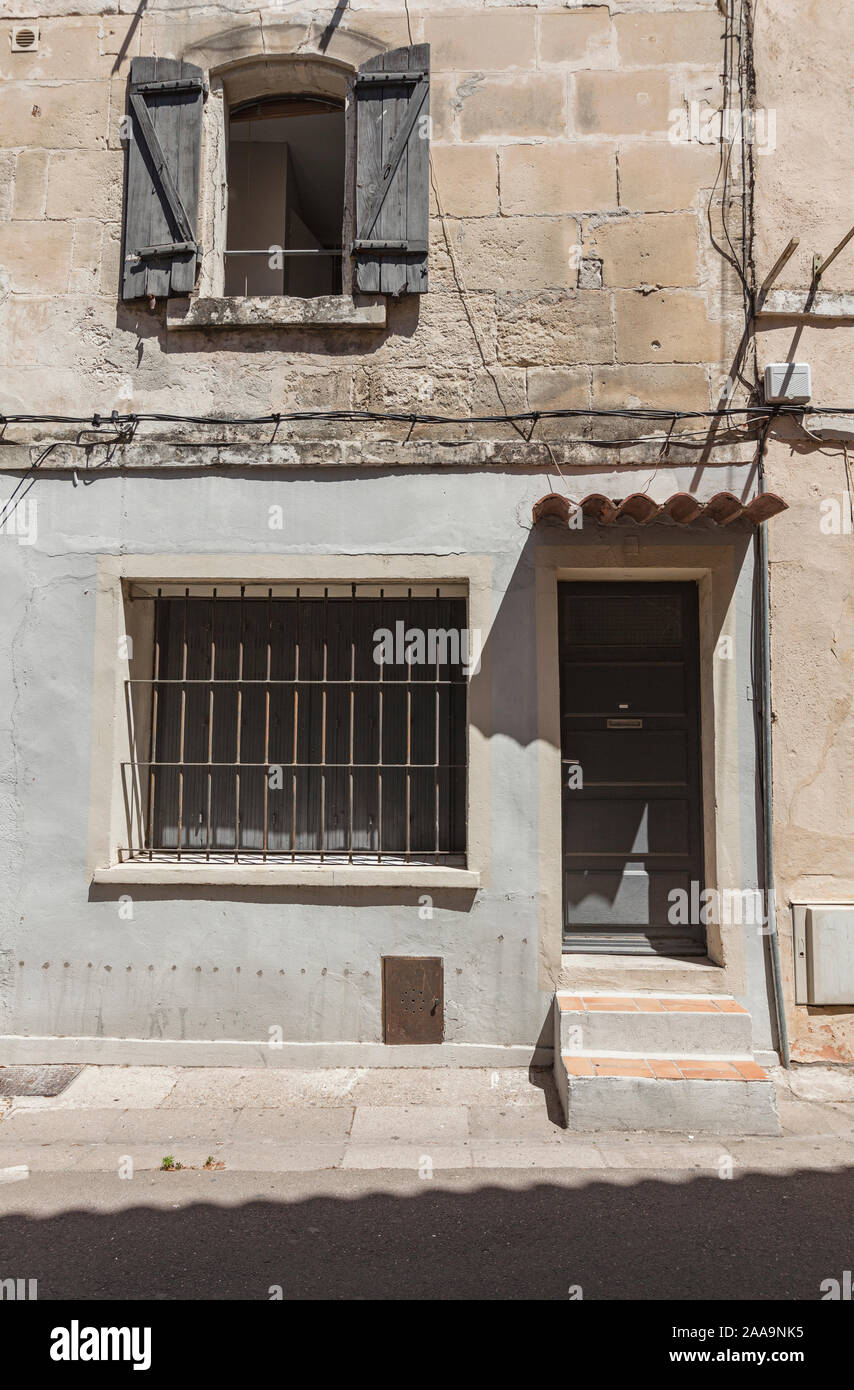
x=350, y=775
x=323, y=724
x=408, y=798
x=183, y=722
x=267, y=718
x=296, y=733
x=158, y=620
x=210, y=729
x=380, y=747
x=239, y=722
x=464, y=772
x=436, y=726
x=241, y=649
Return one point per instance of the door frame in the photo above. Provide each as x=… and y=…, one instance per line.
x=723, y=567
x=637, y=941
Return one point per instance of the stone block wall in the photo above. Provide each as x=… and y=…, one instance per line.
x=571, y=261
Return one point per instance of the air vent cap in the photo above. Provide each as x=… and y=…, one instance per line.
x=25, y=38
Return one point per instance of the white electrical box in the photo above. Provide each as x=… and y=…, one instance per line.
x=788, y=383
x=824, y=953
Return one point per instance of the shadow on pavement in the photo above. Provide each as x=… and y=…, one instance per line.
x=758, y=1236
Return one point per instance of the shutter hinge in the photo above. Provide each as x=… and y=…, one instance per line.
x=167, y=248
x=373, y=79
x=379, y=248
x=180, y=84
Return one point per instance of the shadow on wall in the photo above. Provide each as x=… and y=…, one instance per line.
x=509, y=661
x=757, y=1237
x=137, y=318
x=373, y=894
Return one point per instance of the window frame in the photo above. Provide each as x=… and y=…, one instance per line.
x=116, y=620
x=208, y=306
x=214, y=665
x=329, y=104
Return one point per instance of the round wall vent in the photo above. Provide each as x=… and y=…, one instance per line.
x=25, y=38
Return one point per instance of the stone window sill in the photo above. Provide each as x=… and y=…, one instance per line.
x=292, y=875
x=278, y=311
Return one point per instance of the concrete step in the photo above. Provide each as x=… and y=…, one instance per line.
x=652, y=1024
x=687, y=1094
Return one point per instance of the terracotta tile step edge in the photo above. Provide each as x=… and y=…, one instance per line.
x=640, y=1004
x=666, y=1068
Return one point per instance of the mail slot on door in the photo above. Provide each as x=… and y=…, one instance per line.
x=625, y=723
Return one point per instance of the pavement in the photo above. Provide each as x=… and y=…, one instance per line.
x=554, y=1233
x=127, y=1120
x=357, y=1184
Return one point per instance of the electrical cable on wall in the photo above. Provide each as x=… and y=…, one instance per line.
x=754, y=415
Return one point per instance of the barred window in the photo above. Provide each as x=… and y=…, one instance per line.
x=325, y=724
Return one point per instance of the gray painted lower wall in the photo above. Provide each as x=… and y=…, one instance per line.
x=226, y=966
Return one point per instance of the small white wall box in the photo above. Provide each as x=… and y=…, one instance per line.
x=25, y=38
x=790, y=383
x=824, y=953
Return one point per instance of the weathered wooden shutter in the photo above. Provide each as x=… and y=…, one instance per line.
x=161, y=253
x=393, y=172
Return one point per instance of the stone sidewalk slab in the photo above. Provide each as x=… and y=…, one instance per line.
x=417, y=1124
x=519, y=1123
x=401, y=1119
x=488, y=1086
x=42, y=1128
x=418, y=1158
x=818, y=1117
x=127, y=1088
x=305, y=1157
x=638, y=1153
x=51, y=1158
x=217, y=1124
x=537, y=1155
x=252, y=1088
x=293, y=1124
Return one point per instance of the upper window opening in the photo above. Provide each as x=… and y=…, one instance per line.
x=285, y=196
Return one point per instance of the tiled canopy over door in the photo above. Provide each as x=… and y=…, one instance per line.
x=630, y=746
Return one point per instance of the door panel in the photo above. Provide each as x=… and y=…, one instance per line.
x=630, y=748
x=626, y=827
x=621, y=758
x=597, y=685
x=632, y=898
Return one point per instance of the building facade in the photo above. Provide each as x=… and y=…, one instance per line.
x=804, y=317
x=387, y=473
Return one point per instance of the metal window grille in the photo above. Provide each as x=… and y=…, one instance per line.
x=281, y=730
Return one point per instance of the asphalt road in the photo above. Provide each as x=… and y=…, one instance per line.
x=388, y=1235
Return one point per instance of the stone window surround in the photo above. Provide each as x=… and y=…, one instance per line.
x=111, y=741
x=208, y=306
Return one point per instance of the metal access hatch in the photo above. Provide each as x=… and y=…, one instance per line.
x=413, y=999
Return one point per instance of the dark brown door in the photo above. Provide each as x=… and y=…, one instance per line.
x=630, y=749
